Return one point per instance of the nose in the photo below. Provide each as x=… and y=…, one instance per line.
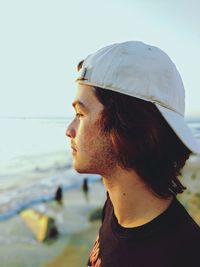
x=70, y=131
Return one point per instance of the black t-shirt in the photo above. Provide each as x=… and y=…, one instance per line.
x=170, y=240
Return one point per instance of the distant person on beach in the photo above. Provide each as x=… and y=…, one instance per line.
x=85, y=185
x=58, y=194
x=129, y=128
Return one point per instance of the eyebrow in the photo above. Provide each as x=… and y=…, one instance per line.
x=79, y=103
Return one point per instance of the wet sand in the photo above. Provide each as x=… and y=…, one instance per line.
x=19, y=247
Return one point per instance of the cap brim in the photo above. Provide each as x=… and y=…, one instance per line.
x=179, y=126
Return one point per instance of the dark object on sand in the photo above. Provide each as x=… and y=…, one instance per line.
x=58, y=194
x=42, y=226
x=52, y=231
x=193, y=176
x=95, y=214
x=85, y=185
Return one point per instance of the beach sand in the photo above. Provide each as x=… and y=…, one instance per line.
x=19, y=247
x=191, y=179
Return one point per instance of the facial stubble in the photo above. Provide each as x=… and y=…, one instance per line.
x=102, y=158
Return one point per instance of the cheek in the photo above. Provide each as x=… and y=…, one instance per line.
x=85, y=134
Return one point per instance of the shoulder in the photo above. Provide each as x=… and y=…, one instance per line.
x=190, y=227
x=188, y=246
x=187, y=230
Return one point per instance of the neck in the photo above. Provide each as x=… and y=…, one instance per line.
x=134, y=203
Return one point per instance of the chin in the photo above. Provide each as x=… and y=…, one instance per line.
x=82, y=169
x=86, y=166
x=78, y=168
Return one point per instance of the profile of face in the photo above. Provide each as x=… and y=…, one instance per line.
x=92, y=150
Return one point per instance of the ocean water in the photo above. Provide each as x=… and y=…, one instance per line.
x=35, y=159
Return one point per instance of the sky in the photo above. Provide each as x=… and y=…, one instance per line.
x=43, y=40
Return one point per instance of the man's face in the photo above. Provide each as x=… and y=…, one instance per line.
x=92, y=150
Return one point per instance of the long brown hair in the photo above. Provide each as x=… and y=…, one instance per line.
x=143, y=141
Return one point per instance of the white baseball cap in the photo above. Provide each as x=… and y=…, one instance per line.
x=145, y=72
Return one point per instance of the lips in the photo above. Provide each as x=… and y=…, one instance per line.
x=73, y=147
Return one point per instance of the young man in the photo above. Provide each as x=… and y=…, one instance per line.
x=129, y=128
